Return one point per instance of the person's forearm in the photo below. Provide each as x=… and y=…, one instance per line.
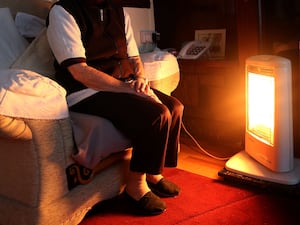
x=138, y=66
x=101, y=81
x=97, y=80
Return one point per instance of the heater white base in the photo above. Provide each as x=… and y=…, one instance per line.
x=242, y=163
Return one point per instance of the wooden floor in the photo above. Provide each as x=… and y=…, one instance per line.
x=193, y=159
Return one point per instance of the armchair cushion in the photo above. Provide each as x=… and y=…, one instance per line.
x=38, y=57
x=96, y=138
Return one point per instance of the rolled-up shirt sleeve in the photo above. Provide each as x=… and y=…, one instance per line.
x=64, y=36
x=132, y=49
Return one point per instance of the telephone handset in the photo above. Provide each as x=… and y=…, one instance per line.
x=193, y=49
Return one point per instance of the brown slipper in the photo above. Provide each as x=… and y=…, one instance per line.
x=164, y=188
x=149, y=204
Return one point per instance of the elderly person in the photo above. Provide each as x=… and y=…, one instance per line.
x=98, y=63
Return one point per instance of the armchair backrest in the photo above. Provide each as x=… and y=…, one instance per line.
x=38, y=8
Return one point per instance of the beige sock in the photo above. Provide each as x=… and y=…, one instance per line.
x=136, y=185
x=154, y=178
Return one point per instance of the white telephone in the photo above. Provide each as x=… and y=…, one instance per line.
x=193, y=49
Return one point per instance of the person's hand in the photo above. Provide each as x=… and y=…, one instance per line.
x=141, y=85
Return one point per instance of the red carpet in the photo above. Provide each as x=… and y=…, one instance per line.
x=204, y=201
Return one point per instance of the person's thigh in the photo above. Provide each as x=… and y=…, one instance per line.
x=128, y=112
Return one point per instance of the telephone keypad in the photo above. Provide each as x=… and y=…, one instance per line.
x=195, y=50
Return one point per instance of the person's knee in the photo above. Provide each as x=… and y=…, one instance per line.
x=177, y=108
x=165, y=114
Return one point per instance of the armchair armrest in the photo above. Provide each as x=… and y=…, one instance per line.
x=14, y=128
x=33, y=169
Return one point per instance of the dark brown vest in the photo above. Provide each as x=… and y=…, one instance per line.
x=103, y=35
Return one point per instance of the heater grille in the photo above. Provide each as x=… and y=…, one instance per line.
x=261, y=70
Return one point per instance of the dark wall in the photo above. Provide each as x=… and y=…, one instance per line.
x=280, y=24
x=177, y=20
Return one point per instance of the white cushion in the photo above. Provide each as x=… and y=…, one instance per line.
x=12, y=44
x=26, y=94
x=29, y=25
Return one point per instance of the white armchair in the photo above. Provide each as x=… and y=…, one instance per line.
x=40, y=181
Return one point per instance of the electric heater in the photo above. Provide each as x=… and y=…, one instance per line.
x=269, y=152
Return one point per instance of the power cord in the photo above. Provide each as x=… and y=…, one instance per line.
x=200, y=147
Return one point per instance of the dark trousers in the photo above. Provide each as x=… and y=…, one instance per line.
x=153, y=128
